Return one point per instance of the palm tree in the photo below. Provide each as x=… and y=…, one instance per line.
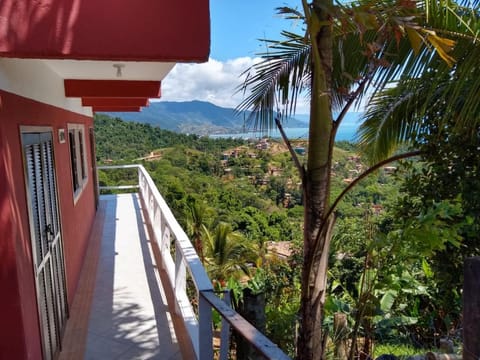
x=196, y=224
x=347, y=49
x=227, y=254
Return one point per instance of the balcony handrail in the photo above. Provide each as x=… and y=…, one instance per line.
x=165, y=227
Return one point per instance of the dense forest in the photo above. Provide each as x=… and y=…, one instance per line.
x=121, y=140
x=240, y=203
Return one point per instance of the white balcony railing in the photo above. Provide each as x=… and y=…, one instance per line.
x=167, y=231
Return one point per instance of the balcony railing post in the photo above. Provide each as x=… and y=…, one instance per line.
x=156, y=219
x=205, y=331
x=180, y=276
x=165, y=240
x=225, y=332
x=140, y=179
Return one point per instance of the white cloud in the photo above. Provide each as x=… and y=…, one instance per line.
x=214, y=81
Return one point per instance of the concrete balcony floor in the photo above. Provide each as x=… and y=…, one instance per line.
x=120, y=310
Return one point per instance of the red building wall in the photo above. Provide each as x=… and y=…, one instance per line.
x=19, y=328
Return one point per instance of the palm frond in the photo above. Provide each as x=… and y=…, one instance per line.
x=290, y=13
x=276, y=80
x=389, y=121
x=405, y=111
x=228, y=253
x=427, y=88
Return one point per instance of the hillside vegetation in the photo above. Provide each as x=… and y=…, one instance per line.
x=121, y=140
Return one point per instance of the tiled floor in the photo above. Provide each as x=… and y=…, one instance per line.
x=128, y=316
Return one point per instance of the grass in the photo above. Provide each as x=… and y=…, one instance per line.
x=398, y=350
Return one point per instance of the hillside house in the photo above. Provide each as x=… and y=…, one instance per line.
x=61, y=61
x=263, y=144
x=276, y=171
x=389, y=170
x=300, y=150
x=354, y=158
x=282, y=249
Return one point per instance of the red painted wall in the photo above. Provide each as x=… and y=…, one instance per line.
x=19, y=330
x=162, y=30
x=10, y=302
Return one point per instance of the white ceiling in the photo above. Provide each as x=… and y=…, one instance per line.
x=105, y=70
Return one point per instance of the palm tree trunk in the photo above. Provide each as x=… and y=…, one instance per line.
x=314, y=283
x=316, y=189
x=199, y=247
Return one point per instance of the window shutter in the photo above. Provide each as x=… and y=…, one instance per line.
x=46, y=239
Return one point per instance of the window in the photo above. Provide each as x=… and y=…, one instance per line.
x=76, y=140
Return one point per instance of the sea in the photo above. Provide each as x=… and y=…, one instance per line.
x=346, y=131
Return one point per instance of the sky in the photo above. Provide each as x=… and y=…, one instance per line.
x=236, y=27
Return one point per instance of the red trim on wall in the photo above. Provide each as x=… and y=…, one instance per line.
x=112, y=88
x=20, y=320
x=91, y=101
x=116, y=108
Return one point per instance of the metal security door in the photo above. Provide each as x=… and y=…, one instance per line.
x=47, y=248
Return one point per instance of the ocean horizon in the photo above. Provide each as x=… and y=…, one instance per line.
x=346, y=131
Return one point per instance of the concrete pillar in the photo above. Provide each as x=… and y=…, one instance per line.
x=471, y=309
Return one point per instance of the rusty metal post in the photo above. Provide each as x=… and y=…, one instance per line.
x=340, y=329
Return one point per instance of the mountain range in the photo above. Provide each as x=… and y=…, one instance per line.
x=194, y=117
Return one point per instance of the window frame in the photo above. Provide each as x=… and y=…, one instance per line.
x=78, y=158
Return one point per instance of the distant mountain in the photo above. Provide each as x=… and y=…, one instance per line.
x=193, y=117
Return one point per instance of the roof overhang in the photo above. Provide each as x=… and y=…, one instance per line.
x=113, y=95
x=114, y=101
x=119, y=30
x=112, y=108
x=111, y=86
x=110, y=53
